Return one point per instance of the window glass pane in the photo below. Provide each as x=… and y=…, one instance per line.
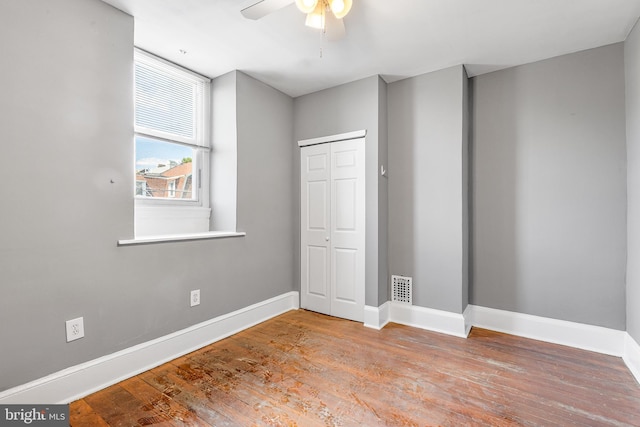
x=164, y=170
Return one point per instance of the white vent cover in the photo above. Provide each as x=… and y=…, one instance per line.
x=401, y=289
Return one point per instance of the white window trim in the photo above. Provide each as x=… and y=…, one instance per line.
x=180, y=237
x=157, y=212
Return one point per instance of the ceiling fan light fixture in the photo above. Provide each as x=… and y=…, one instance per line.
x=315, y=19
x=307, y=6
x=337, y=6
x=340, y=8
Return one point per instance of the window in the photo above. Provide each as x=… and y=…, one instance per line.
x=141, y=188
x=172, y=188
x=171, y=125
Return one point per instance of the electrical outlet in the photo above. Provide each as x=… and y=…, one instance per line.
x=75, y=329
x=195, y=297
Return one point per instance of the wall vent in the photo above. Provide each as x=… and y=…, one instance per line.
x=401, y=289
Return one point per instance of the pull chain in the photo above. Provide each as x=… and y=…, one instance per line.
x=323, y=31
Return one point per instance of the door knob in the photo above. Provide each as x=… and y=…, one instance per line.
x=326, y=238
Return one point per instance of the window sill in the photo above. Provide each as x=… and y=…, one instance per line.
x=180, y=237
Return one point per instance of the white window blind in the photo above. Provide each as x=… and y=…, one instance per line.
x=169, y=102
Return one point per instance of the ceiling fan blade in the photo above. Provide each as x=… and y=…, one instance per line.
x=263, y=8
x=334, y=28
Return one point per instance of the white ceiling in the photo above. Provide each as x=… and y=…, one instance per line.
x=393, y=38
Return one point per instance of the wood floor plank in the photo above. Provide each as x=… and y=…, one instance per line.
x=354, y=383
x=434, y=395
x=119, y=408
x=245, y=379
x=160, y=405
x=440, y=387
x=289, y=382
x=197, y=396
x=81, y=413
x=307, y=369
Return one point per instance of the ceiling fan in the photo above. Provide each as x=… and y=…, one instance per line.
x=325, y=15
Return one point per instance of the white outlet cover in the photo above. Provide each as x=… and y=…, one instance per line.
x=195, y=297
x=75, y=329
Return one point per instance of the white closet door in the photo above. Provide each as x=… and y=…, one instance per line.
x=315, y=236
x=333, y=228
x=347, y=229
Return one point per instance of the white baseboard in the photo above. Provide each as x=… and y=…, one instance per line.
x=376, y=317
x=631, y=356
x=81, y=380
x=578, y=335
x=428, y=318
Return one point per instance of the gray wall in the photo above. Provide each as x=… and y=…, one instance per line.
x=265, y=181
x=426, y=189
x=66, y=131
x=345, y=108
x=632, y=72
x=549, y=188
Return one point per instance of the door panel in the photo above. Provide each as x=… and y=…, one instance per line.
x=345, y=200
x=345, y=158
x=317, y=162
x=317, y=261
x=317, y=201
x=345, y=267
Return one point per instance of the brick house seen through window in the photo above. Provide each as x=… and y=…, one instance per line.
x=171, y=180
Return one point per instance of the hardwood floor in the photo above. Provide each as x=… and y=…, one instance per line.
x=307, y=369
